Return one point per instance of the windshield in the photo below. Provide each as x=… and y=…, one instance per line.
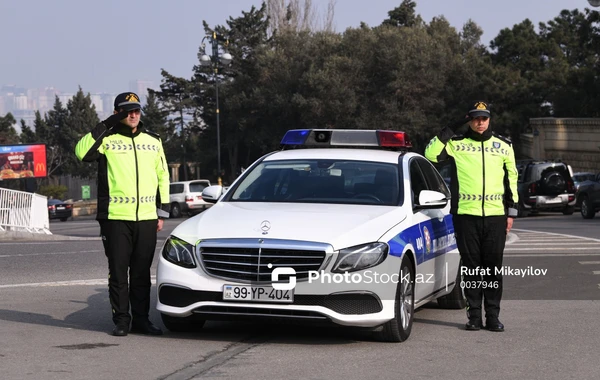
x=321, y=181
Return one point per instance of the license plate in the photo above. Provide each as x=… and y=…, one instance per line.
x=554, y=200
x=257, y=294
x=60, y=208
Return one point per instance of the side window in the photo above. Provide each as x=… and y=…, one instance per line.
x=417, y=181
x=434, y=180
x=176, y=188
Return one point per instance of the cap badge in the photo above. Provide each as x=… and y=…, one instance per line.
x=481, y=106
x=132, y=98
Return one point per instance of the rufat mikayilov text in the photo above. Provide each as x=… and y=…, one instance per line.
x=504, y=271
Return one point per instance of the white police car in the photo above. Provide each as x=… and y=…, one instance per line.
x=340, y=226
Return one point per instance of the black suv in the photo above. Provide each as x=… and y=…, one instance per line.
x=545, y=185
x=588, y=197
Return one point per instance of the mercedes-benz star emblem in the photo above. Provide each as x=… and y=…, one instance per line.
x=265, y=226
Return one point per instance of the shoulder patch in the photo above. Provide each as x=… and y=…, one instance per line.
x=153, y=134
x=503, y=138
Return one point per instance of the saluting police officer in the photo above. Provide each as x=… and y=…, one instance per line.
x=133, y=200
x=484, y=198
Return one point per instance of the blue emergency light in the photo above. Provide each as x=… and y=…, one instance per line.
x=345, y=137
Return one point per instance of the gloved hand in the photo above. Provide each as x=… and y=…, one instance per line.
x=113, y=120
x=459, y=123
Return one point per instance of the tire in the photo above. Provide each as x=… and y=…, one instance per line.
x=554, y=183
x=568, y=210
x=185, y=324
x=175, y=210
x=456, y=298
x=587, y=209
x=523, y=213
x=399, y=328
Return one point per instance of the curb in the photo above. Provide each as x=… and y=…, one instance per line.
x=18, y=235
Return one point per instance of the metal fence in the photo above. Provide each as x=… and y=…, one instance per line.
x=22, y=211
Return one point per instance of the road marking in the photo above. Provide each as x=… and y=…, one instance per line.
x=547, y=249
x=63, y=283
x=554, y=255
x=589, y=262
x=563, y=242
x=555, y=234
x=596, y=271
x=48, y=253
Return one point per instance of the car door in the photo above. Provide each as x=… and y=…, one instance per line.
x=445, y=255
x=429, y=223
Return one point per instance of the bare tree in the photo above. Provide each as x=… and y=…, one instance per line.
x=299, y=15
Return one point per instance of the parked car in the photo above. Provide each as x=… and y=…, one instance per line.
x=58, y=209
x=547, y=186
x=186, y=197
x=588, y=197
x=580, y=177
x=342, y=227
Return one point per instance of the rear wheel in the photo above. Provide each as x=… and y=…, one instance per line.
x=175, y=210
x=587, y=209
x=568, y=210
x=63, y=219
x=523, y=212
x=456, y=298
x=399, y=328
x=185, y=324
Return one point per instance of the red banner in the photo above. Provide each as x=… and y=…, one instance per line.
x=23, y=161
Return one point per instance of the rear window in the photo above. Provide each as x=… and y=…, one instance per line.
x=197, y=187
x=176, y=188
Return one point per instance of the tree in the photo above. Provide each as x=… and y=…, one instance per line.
x=49, y=130
x=403, y=15
x=156, y=120
x=27, y=134
x=80, y=119
x=8, y=133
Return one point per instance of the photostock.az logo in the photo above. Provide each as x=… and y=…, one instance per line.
x=282, y=271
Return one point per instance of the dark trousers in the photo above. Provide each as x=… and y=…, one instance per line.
x=129, y=247
x=481, y=241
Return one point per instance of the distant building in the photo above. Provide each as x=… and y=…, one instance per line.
x=141, y=87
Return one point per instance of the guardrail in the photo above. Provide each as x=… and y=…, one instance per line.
x=22, y=211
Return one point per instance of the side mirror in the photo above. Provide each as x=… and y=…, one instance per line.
x=429, y=199
x=212, y=194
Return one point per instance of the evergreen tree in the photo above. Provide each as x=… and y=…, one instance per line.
x=27, y=136
x=8, y=133
x=81, y=118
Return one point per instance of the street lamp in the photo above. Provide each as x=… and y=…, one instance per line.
x=216, y=60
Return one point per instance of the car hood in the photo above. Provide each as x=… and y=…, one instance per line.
x=338, y=225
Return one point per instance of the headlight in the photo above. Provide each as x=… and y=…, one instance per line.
x=179, y=252
x=360, y=257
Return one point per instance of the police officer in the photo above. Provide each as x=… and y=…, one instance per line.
x=133, y=200
x=484, y=198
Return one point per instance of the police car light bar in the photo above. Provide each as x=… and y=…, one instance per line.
x=345, y=137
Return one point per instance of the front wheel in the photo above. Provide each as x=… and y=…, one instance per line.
x=587, y=209
x=398, y=329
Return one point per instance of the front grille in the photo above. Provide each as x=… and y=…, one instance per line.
x=256, y=261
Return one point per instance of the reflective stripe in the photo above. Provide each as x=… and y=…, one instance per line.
x=149, y=199
x=478, y=197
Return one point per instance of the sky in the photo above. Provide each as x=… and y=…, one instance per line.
x=101, y=45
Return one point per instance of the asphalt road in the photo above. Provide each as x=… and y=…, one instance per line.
x=55, y=322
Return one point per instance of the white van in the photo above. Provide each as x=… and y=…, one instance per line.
x=186, y=197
